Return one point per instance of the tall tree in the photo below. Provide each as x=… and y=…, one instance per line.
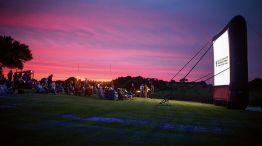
x=13, y=54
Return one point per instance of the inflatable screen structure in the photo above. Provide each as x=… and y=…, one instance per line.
x=230, y=65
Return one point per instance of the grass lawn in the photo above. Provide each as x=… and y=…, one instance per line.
x=36, y=119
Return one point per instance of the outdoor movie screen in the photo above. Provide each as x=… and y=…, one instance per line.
x=221, y=60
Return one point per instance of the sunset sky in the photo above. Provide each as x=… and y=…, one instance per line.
x=105, y=39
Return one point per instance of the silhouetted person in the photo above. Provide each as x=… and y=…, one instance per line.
x=152, y=88
x=19, y=76
x=15, y=79
x=142, y=90
x=50, y=79
x=86, y=83
x=9, y=77
x=24, y=77
x=132, y=90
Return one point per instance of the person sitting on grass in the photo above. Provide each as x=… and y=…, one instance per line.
x=71, y=89
x=3, y=89
x=60, y=88
x=89, y=91
x=127, y=94
x=111, y=93
x=53, y=88
x=78, y=90
x=122, y=94
x=100, y=91
x=116, y=95
x=39, y=88
x=44, y=85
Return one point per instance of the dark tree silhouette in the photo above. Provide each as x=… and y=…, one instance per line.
x=126, y=82
x=13, y=54
x=73, y=79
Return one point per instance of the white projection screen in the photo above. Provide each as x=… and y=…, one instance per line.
x=221, y=60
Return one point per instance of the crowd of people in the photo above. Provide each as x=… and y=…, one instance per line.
x=112, y=94
x=58, y=87
x=146, y=91
x=15, y=83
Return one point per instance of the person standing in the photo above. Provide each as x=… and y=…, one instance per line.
x=49, y=81
x=152, y=88
x=132, y=90
x=146, y=90
x=142, y=90
x=9, y=78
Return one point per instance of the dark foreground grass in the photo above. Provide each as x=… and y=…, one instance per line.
x=73, y=120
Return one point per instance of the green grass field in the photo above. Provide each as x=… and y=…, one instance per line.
x=35, y=119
